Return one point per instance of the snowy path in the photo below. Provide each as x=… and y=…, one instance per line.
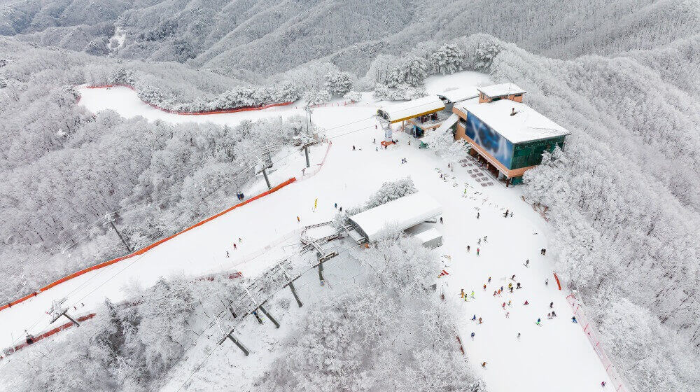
x=553, y=357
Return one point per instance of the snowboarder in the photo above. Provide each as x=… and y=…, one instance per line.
x=335, y=206
x=473, y=294
x=461, y=294
x=440, y=219
x=480, y=320
x=573, y=320
x=477, y=215
x=483, y=364
x=509, y=303
x=546, y=282
x=527, y=263
x=239, y=240
x=494, y=293
x=353, y=148
x=511, y=214
x=227, y=254
x=512, y=277
x=518, y=335
x=298, y=219
x=602, y=384
x=473, y=335
x=474, y=318
x=551, y=305
x=340, y=209
x=478, y=241
x=484, y=286
x=478, y=251
x=554, y=314
x=526, y=303
x=489, y=279
x=549, y=316
x=538, y=321
x=504, y=305
x=518, y=286
x=469, y=248
x=506, y=214
x=234, y=246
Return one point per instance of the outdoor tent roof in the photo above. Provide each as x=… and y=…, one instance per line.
x=526, y=125
x=460, y=94
x=412, y=109
x=452, y=120
x=401, y=214
x=501, y=90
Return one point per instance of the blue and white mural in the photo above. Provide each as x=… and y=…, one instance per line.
x=496, y=145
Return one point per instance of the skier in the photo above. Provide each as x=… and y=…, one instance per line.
x=549, y=316
x=484, y=286
x=551, y=305
x=315, y=204
x=494, y=293
x=461, y=294
x=478, y=241
x=507, y=314
x=298, y=219
x=504, y=305
x=234, y=246
x=512, y=277
x=526, y=303
x=485, y=237
x=509, y=304
x=227, y=254
x=489, y=279
x=518, y=286
x=478, y=251
x=335, y=206
x=483, y=364
x=602, y=384
x=353, y=148
x=469, y=248
x=341, y=209
x=506, y=214
x=511, y=214
x=473, y=294
x=477, y=215
x=546, y=282
x=573, y=320
x=473, y=335
x=527, y=263
x=480, y=320
x=474, y=318
x=554, y=314
x=440, y=219
x=518, y=335
x=510, y=285
x=538, y=321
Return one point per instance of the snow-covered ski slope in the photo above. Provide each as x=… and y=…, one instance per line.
x=555, y=356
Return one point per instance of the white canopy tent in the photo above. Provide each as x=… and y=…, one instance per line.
x=399, y=214
x=411, y=109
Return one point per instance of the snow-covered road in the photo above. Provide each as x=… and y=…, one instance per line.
x=555, y=356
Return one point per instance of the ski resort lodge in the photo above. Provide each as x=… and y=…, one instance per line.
x=509, y=135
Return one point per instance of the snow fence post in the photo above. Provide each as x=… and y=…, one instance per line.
x=294, y=292
x=267, y=180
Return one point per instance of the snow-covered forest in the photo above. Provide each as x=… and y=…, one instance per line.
x=622, y=197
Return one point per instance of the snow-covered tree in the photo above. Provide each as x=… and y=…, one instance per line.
x=338, y=83
x=447, y=60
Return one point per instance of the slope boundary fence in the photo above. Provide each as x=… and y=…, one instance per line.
x=145, y=249
x=204, y=112
x=617, y=379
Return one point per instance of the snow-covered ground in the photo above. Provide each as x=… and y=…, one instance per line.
x=555, y=356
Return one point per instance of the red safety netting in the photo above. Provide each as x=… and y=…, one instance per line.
x=217, y=111
x=143, y=250
x=615, y=377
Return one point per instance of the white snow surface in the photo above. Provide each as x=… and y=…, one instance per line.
x=501, y=90
x=526, y=125
x=555, y=356
x=460, y=94
x=399, y=214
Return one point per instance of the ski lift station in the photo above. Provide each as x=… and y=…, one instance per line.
x=505, y=134
x=399, y=214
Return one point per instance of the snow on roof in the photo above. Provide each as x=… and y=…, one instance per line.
x=460, y=94
x=501, y=90
x=428, y=235
x=526, y=125
x=411, y=109
x=452, y=120
x=401, y=214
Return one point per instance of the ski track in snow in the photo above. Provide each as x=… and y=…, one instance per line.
x=555, y=356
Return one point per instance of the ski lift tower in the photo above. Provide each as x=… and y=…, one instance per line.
x=57, y=310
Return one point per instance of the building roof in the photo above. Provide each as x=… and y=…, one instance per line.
x=452, y=120
x=411, y=109
x=501, y=90
x=428, y=235
x=400, y=214
x=460, y=94
x=527, y=125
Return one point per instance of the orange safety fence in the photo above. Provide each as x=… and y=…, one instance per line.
x=557, y=279
x=146, y=249
x=216, y=111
